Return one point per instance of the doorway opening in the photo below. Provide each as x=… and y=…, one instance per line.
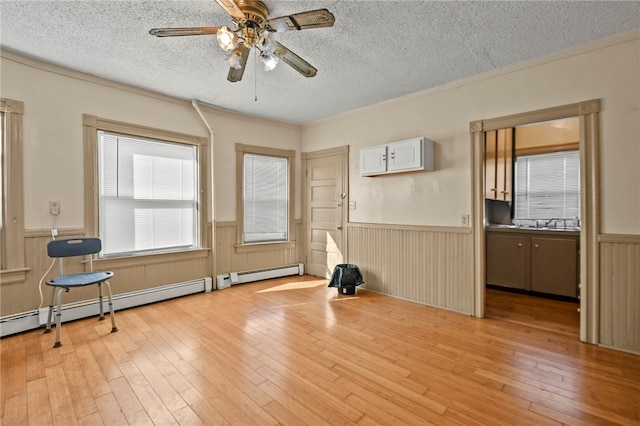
x=588, y=117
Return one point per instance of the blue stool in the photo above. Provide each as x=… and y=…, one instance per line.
x=76, y=247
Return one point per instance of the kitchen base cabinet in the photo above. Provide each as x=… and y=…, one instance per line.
x=533, y=261
x=507, y=259
x=554, y=266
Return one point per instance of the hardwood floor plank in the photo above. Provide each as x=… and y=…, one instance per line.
x=282, y=415
x=205, y=411
x=246, y=396
x=169, y=396
x=15, y=410
x=187, y=417
x=332, y=410
x=14, y=371
x=62, y=409
x=130, y=405
x=149, y=399
x=109, y=409
x=291, y=351
x=297, y=408
x=386, y=414
x=549, y=395
x=91, y=420
x=95, y=381
x=34, y=360
x=81, y=396
x=223, y=405
x=38, y=403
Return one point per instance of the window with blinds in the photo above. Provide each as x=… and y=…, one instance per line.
x=148, y=196
x=265, y=198
x=547, y=187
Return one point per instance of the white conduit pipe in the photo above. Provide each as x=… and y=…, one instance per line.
x=212, y=181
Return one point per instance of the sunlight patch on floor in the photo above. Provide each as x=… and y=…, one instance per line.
x=344, y=298
x=298, y=285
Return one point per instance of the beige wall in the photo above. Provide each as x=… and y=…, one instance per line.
x=607, y=71
x=55, y=100
x=385, y=231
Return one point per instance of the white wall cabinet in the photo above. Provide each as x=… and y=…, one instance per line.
x=404, y=156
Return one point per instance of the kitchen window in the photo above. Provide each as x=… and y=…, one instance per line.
x=547, y=189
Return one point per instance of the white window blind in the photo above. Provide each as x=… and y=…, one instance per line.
x=266, y=199
x=148, y=195
x=548, y=186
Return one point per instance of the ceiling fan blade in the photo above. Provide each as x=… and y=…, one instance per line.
x=236, y=74
x=232, y=8
x=295, y=61
x=301, y=21
x=175, y=32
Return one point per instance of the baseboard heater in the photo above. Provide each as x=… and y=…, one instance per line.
x=72, y=311
x=233, y=278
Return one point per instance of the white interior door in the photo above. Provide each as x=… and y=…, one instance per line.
x=325, y=196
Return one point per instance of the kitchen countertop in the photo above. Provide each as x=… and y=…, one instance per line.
x=537, y=231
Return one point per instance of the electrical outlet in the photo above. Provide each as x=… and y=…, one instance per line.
x=464, y=219
x=352, y=205
x=54, y=208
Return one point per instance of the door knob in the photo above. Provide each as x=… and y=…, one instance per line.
x=339, y=228
x=536, y=245
x=519, y=244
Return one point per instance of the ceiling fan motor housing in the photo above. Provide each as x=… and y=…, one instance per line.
x=255, y=11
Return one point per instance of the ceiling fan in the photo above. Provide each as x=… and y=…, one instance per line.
x=253, y=28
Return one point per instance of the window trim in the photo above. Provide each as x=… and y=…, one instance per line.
x=13, y=260
x=241, y=246
x=91, y=125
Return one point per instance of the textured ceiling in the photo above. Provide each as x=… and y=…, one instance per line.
x=377, y=50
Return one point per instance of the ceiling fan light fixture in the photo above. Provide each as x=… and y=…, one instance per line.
x=234, y=59
x=268, y=43
x=227, y=39
x=270, y=61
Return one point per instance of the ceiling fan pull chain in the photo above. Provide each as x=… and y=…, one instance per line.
x=255, y=75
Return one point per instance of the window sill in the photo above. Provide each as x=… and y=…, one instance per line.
x=262, y=247
x=150, y=259
x=13, y=276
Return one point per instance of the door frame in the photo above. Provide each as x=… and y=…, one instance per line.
x=588, y=114
x=344, y=152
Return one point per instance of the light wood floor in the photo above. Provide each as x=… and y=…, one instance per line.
x=293, y=352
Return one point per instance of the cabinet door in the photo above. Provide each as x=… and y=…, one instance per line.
x=491, y=189
x=504, y=166
x=554, y=266
x=405, y=155
x=507, y=257
x=373, y=160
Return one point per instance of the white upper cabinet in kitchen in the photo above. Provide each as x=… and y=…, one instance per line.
x=373, y=160
x=404, y=156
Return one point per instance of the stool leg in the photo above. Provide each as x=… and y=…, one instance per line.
x=58, y=316
x=100, y=301
x=113, y=317
x=50, y=315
